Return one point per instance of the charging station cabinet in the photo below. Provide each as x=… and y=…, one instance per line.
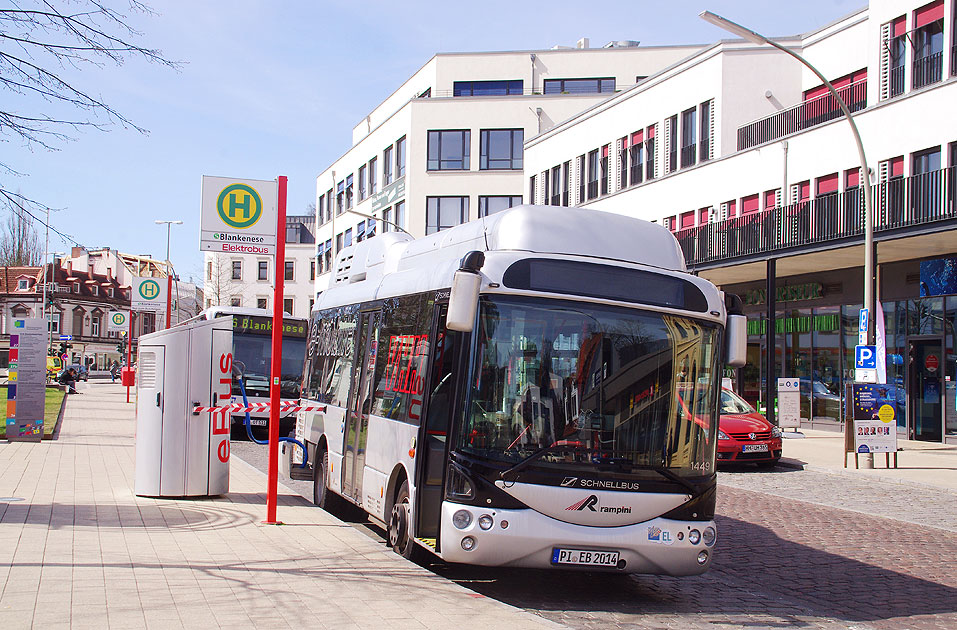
x=180, y=453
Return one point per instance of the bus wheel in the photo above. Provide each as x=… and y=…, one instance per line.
x=321, y=495
x=400, y=525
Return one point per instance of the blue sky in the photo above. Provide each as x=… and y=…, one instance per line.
x=274, y=88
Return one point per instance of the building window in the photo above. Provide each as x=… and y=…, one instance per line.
x=149, y=319
x=686, y=220
x=312, y=269
x=387, y=221
x=593, y=168
x=501, y=149
x=566, y=178
x=237, y=270
x=76, y=285
x=263, y=270
x=287, y=305
x=349, y=192
x=581, y=179
x=311, y=304
x=925, y=184
x=704, y=118
x=442, y=213
x=387, y=166
x=623, y=162
x=288, y=270
x=531, y=189
x=23, y=284
x=487, y=88
x=928, y=38
x=327, y=252
x=95, y=290
x=321, y=210
x=400, y=214
x=232, y=302
x=360, y=231
x=673, y=144
x=362, y=182
x=329, y=205
x=650, y=152
x=109, y=291
x=556, y=199
x=545, y=191
x=348, y=238
x=579, y=86
x=491, y=205
x=95, y=326
x=751, y=203
x=340, y=197
x=449, y=150
x=373, y=175
x=770, y=199
x=637, y=157
x=261, y=303
x=54, y=322
x=370, y=228
x=688, y=136
x=604, y=175
x=400, y=157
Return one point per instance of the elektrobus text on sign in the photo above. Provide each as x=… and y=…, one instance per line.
x=524, y=396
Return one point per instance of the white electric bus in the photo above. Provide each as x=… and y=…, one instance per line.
x=536, y=388
x=252, y=360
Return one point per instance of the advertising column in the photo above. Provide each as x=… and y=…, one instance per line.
x=26, y=391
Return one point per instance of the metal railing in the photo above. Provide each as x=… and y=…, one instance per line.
x=807, y=114
x=897, y=81
x=899, y=203
x=928, y=69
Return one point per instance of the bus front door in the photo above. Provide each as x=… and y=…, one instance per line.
x=435, y=432
x=357, y=410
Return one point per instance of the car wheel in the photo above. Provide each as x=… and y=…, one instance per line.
x=400, y=526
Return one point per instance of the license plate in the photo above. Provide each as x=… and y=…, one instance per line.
x=256, y=422
x=584, y=557
x=754, y=448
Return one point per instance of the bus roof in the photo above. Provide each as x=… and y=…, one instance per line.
x=548, y=230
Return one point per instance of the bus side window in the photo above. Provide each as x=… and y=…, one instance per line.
x=440, y=398
x=403, y=349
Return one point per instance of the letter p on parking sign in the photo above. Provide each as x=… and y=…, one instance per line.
x=865, y=357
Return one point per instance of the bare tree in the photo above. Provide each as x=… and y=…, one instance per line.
x=40, y=42
x=219, y=286
x=19, y=242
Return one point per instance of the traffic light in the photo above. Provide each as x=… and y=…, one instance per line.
x=64, y=346
x=121, y=346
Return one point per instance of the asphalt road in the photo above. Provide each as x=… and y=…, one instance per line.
x=788, y=555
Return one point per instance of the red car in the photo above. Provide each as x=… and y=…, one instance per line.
x=744, y=435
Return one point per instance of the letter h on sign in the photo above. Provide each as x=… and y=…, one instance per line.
x=235, y=205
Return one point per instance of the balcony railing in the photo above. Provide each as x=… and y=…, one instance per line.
x=929, y=69
x=803, y=116
x=897, y=81
x=899, y=203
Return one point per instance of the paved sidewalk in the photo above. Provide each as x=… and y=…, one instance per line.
x=78, y=549
x=919, y=463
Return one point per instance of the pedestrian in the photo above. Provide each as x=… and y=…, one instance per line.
x=114, y=371
x=69, y=380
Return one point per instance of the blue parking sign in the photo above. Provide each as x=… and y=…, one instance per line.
x=865, y=357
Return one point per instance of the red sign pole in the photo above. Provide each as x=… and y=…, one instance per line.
x=129, y=352
x=275, y=371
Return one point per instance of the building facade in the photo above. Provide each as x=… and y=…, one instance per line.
x=746, y=157
x=233, y=280
x=447, y=146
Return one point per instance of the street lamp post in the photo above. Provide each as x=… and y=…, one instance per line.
x=869, y=303
x=169, y=276
x=757, y=38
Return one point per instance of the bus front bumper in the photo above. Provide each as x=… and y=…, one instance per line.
x=526, y=538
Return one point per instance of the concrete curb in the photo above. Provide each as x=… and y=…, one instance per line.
x=796, y=464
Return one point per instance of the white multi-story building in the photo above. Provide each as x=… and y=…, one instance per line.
x=447, y=145
x=234, y=280
x=742, y=152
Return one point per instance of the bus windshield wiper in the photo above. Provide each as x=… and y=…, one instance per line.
x=528, y=460
x=667, y=473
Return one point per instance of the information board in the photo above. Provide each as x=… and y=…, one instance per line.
x=26, y=389
x=874, y=414
x=238, y=216
x=789, y=403
x=118, y=321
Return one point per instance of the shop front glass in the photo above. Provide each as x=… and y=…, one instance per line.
x=950, y=367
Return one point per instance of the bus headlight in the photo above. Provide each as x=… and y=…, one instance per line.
x=485, y=521
x=468, y=543
x=702, y=557
x=694, y=537
x=462, y=519
x=709, y=536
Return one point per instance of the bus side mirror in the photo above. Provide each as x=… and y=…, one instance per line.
x=736, y=335
x=463, y=300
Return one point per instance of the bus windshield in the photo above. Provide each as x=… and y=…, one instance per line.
x=252, y=355
x=602, y=388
